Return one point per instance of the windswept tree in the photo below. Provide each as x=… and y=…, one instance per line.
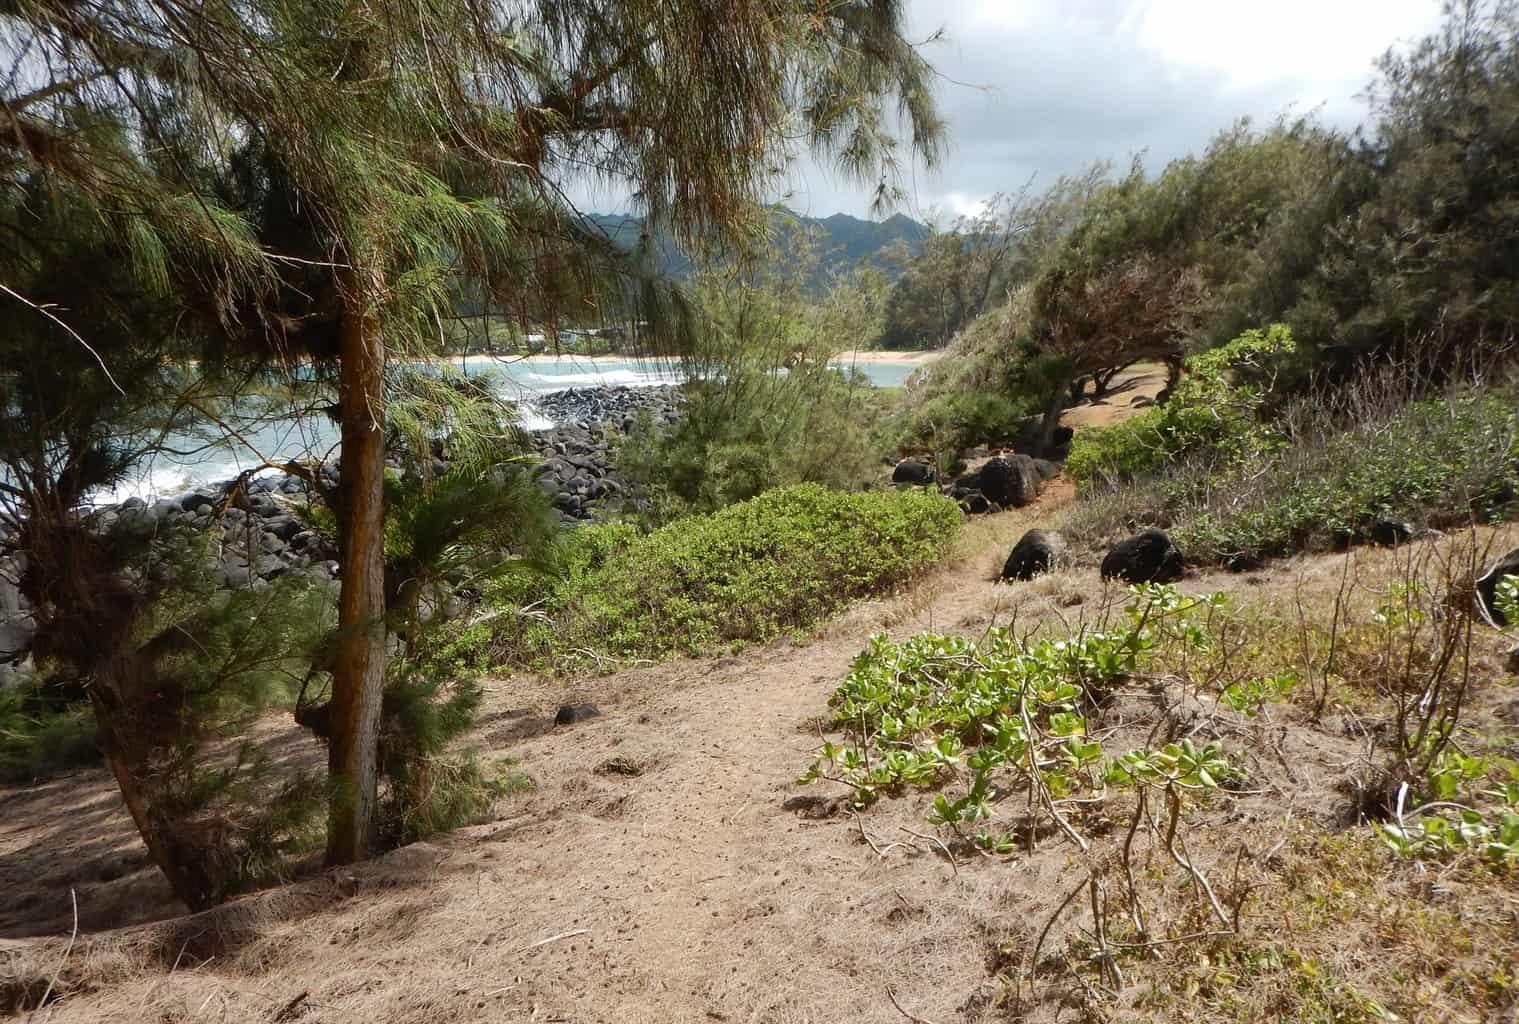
x=312, y=178
x=1092, y=327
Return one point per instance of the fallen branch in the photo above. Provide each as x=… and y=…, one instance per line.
x=935, y=839
x=910, y=1016
x=288, y=1011
x=1033, y=961
x=879, y=851
x=555, y=938
x=63, y=961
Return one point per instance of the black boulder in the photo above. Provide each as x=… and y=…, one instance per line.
x=1147, y=557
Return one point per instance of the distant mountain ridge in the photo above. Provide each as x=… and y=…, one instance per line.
x=843, y=241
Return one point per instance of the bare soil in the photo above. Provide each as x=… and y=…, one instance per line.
x=664, y=867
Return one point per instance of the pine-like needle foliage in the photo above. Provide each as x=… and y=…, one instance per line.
x=315, y=182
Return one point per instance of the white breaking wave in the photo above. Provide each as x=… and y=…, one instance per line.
x=544, y=383
x=164, y=478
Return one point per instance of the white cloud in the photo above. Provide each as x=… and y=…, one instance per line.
x=1316, y=42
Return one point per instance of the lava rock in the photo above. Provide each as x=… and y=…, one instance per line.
x=1389, y=533
x=570, y=714
x=16, y=637
x=1010, y=481
x=1147, y=557
x=1487, y=586
x=974, y=503
x=284, y=527
x=1035, y=552
x=1048, y=470
x=912, y=471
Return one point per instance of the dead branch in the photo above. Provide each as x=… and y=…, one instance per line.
x=910, y=1016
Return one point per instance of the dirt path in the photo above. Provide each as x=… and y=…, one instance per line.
x=664, y=866
x=660, y=869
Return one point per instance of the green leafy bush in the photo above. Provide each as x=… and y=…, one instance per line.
x=951, y=423
x=1007, y=715
x=778, y=563
x=1468, y=805
x=1215, y=406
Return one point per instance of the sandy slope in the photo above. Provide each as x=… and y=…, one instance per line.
x=664, y=867
x=662, y=851
x=660, y=834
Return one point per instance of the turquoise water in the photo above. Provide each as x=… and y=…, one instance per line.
x=517, y=379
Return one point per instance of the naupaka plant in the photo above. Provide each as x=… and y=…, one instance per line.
x=996, y=719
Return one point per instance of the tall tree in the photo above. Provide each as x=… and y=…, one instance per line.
x=345, y=162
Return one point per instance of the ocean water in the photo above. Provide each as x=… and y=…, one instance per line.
x=518, y=380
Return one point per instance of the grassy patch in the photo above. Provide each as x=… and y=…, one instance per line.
x=1436, y=463
x=36, y=741
x=1295, y=808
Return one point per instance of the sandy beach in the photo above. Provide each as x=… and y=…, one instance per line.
x=886, y=356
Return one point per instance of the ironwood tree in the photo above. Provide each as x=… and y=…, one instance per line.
x=315, y=179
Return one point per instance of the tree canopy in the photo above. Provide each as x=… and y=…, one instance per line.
x=306, y=184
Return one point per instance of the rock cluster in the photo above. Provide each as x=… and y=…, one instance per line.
x=264, y=530
x=262, y=536
x=578, y=471
x=617, y=405
x=265, y=533
x=1036, y=552
x=1006, y=481
x=1147, y=557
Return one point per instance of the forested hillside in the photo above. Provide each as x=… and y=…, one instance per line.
x=843, y=242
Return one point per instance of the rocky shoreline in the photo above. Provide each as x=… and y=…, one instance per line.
x=266, y=535
x=578, y=471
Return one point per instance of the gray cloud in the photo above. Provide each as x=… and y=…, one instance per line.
x=1033, y=89
x=1073, y=84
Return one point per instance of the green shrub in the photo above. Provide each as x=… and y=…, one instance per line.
x=778, y=563
x=951, y=423
x=1215, y=406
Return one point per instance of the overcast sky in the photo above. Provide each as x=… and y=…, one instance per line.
x=1051, y=85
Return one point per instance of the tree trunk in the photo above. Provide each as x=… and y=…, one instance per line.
x=186, y=864
x=1051, y=420
x=358, y=679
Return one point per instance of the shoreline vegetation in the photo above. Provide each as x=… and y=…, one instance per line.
x=1129, y=570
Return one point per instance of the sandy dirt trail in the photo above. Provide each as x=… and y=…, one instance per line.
x=663, y=867
x=660, y=869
